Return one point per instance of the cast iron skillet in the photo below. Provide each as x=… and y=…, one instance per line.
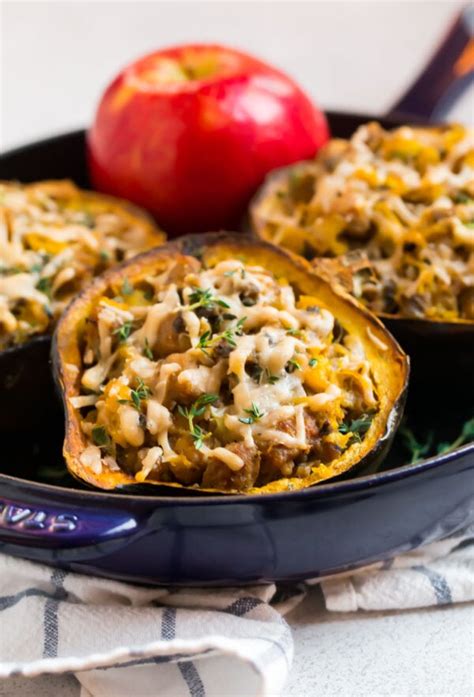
x=217, y=540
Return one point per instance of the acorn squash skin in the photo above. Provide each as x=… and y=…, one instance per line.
x=391, y=370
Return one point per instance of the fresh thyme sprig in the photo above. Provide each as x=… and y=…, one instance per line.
x=357, y=427
x=124, y=331
x=194, y=411
x=203, y=297
x=254, y=414
x=419, y=450
x=137, y=395
x=466, y=435
x=207, y=341
x=261, y=375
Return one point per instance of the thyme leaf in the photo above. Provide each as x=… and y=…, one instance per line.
x=254, y=414
x=417, y=449
x=44, y=286
x=147, y=352
x=100, y=436
x=207, y=341
x=124, y=331
x=357, y=427
x=194, y=411
x=127, y=288
x=203, y=297
x=140, y=393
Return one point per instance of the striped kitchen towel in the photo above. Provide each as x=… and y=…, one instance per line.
x=440, y=573
x=122, y=640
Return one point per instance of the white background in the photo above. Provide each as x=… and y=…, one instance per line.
x=56, y=57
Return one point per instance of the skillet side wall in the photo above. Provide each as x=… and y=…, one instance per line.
x=198, y=542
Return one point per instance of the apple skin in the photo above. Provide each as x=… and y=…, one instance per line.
x=193, y=152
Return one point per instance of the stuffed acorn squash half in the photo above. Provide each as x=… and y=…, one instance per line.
x=54, y=238
x=390, y=215
x=223, y=364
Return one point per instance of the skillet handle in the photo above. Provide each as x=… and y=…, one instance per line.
x=448, y=73
x=48, y=526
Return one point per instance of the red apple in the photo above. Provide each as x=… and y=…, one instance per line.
x=190, y=133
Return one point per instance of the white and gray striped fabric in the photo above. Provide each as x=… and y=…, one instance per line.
x=121, y=640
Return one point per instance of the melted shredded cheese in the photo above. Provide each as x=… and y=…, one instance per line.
x=396, y=206
x=53, y=239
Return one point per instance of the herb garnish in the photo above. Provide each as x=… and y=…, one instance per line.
x=260, y=374
x=124, y=331
x=293, y=331
x=100, y=436
x=272, y=379
x=196, y=410
x=147, y=352
x=254, y=414
x=419, y=450
x=44, y=285
x=203, y=297
x=141, y=392
x=466, y=435
x=207, y=341
x=357, y=427
x=127, y=288
x=292, y=365
x=313, y=362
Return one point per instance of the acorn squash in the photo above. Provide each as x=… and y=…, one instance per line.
x=223, y=364
x=390, y=215
x=54, y=238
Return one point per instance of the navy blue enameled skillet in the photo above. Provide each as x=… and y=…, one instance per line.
x=182, y=539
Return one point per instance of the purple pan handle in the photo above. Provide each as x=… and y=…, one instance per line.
x=51, y=526
x=448, y=73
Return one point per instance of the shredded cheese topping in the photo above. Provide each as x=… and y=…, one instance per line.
x=219, y=377
x=53, y=239
x=397, y=205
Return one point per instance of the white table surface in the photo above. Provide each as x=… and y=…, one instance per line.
x=55, y=60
